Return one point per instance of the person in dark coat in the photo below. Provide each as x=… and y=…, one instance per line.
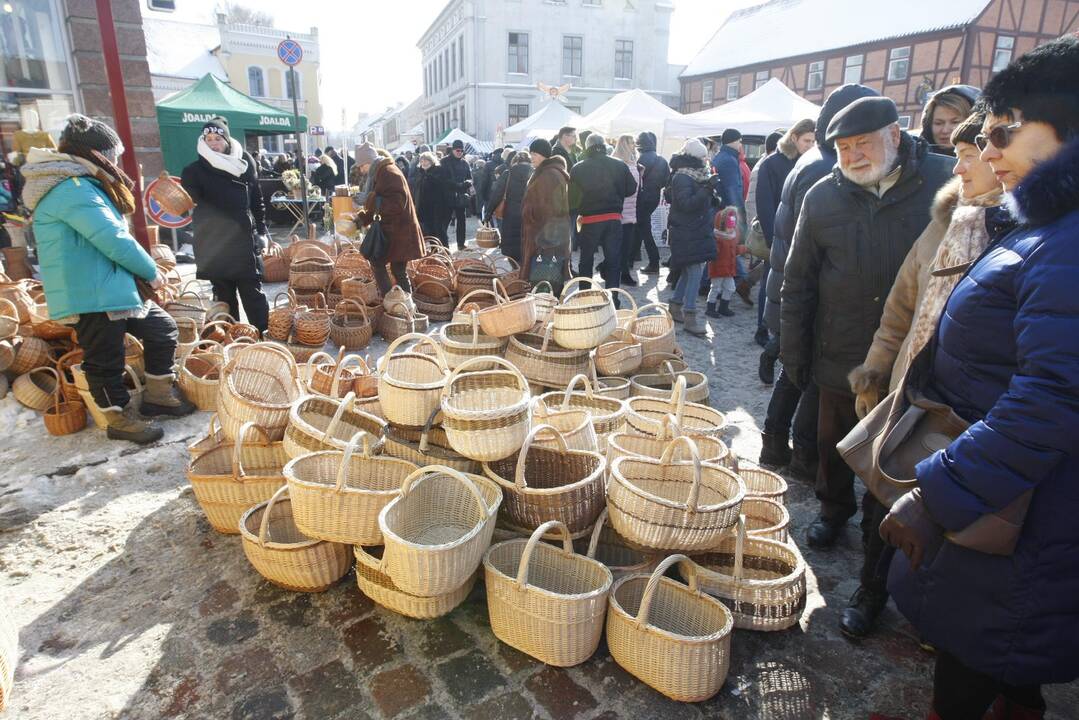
x=1006, y=360
x=389, y=197
x=789, y=403
x=727, y=165
x=460, y=180
x=856, y=227
x=229, y=216
x=492, y=166
x=509, y=189
x=654, y=175
x=692, y=196
x=545, y=219
x=946, y=109
x=598, y=187
x=428, y=186
x=479, y=180
x=339, y=163
x=564, y=145
x=402, y=165
x=324, y=176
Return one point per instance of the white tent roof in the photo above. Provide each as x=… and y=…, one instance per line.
x=543, y=123
x=182, y=50
x=632, y=111
x=771, y=106
x=478, y=146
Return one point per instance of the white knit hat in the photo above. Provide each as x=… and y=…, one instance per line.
x=366, y=154
x=695, y=148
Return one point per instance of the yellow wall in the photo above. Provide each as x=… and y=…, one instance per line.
x=273, y=70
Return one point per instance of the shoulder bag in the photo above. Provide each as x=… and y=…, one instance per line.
x=756, y=243
x=375, y=244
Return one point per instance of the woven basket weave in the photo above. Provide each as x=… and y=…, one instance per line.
x=199, y=374
x=544, y=362
x=316, y=424
x=584, y=319
x=258, y=384
x=608, y=413
x=410, y=383
x=464, y=341
x=485, y=412
x=380, y=588
x=427, y=446
x=647, y=414
x=621, y=558
x=661, y=381
x=508, y=317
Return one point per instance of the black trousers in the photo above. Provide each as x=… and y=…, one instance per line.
x=385, y=283
x=606, y=235
x=644, y=235
x=102, y=342
x=791, y=411
x=960, y=693
x=459, y=222
x=629, y=234
x=256, y=306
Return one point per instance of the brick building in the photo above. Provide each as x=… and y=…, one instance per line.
x=905, y=49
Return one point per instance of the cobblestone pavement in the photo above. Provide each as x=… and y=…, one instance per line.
x=131, y=606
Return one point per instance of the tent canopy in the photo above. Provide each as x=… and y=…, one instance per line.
x=472, y=145
x=769, y=107
x=182, y=115
x=544, y=123
x=629, y=112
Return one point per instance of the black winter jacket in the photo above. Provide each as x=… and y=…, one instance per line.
x=654, y=175
x=457, y=172
x=599, y=185
x=229, y=212
x=324, y=179
x=693, y=209
x=847, y=249
x=429, y=192
x=510, y=185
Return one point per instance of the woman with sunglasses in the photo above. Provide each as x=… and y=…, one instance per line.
x=1005, y=358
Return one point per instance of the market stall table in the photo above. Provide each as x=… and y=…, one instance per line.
x=294, y=207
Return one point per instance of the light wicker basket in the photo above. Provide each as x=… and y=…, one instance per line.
x=399, y=319
x=675, y=639
x=487, y=237
x=378, y=586
x=463, y=341
x=763, y=483
x=317, y=423
x=213, y=438
x=508, y=317
x=545, y=301
x=473, y=301
x=584, y=318
x=258, y=384
x=437, y=529
x=337, y=495
x=36, y=388
x=608, y=413
x=410, y=383
x=624, y=315
x=762, y=582
x=574, y=425
x=612, y=387
x=673, y=505
x=619, y=354
x=199, y=375
x=655, y=332
x=188, y=304
x=277, y=549
x=485, y=412
x=134, y=390
x=545, y=601
x=646, y=414
x=228, y=479
x=9, y=319
x=766, y=518
x=628, y=444
x=427, y=446
x=651, y=361
x=544, y=362
x=661, y=381
x=30, y=353
x=620, y=556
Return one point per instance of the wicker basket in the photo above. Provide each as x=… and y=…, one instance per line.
x=761, y=581
x=352, y=264
x=574, y=426
x=673, y=505
x=17, y=294
x=544, y=362
x=674, y=638
x=464, y=341
x=655, y=332
x=187, y=335
x=436, y=310
x=281, y=317
x=199, y=374
x=401, y=320
x=337, y=495
x=427, y=446
x=763, y=483
x=311, y=269
x=544, y=601
x=620, y=354
x=67, y=380
x=213, y=438
x=30, y=353
x=9, y=319
x=660, y=383
x=540, y=484
x=259, y=385
x=584, y=318
x=355, y=288
x=621, y=558
x=311, y=326
x=652, y=361
x=647, y=415
x=608, y=413
x=163, y=256
x=613, y=387
x=274, y=264
x=302, y=352
x=410, y=383
x=37, y=388
x=473, y=301
x=628, y=444
x=624, y=315
x=283, y=555
x=381, y=589
x=766, y=519
x=508, y=317
x=487, y=237
x=171, y=196
x=475, y=275
x=98, y=415
x=435, y=271
x=485, y=413
x=230, y=478
x=349, y=327
x=64, y=417
x=187, y=304
x=545, y=301
x=437, y=530
x=316, y=424
x=7, y=354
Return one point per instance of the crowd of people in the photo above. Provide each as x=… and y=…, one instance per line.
x=930, y=272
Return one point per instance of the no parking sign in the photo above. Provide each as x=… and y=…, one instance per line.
x=158, y=213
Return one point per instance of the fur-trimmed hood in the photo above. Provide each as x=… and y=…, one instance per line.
x=788, y=147
x=1050, y=191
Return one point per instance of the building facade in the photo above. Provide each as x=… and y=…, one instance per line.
x=925, y=48
x=484, y=59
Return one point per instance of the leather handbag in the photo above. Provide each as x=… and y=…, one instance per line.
x=550, y=268
x=375, y=244
x=756, y=243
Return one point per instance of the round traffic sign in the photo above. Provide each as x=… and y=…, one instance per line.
x=158, y=213
x=289, y=52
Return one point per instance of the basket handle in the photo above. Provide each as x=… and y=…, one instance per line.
x=488, y=360
x=597, y=530
x=420, y=338
x=364, y=557
x=537, y=535
x=201, y=343
x=669, y=428
x=519, y=472
x=478, y=291
x=572, y=384
x=342, y=470
x=638, y=312
x=422, y=473
x=237, y=447
x=502, y=295
x=342, y=405
x=13, y=313
x=576, y=281
x=654, y=580
x=740, y=547
x=546, y=337
x=536, y=287
x=337, y=310
x=475, y=316
x=214, y=420
x=695, y=455
x=678, y=398
x=427, y=428
x=632, y=302
x=264, y=524
x=134, y=377
x=344, y=362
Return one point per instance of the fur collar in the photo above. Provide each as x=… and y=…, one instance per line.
x=1050, y=191
x=788, y=147
x=555, y=163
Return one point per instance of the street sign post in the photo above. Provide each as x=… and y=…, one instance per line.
x=290, y=53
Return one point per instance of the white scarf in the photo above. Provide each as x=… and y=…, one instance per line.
x=233, y=163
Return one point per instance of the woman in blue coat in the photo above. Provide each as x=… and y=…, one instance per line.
x=691, y=193
x=1006, y=359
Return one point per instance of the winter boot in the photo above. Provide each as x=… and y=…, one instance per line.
x=651, y=269
x=774, y=450
x=162, y=397
x=761, y=336
x=724, y=308
x=695, y=323
x=766, y=369
x=126, y=425
x=675, y=310
x=711, y=310
x=861, y=614
x=803, y=464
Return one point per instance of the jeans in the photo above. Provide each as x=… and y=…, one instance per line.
x=606, y=235
x=629, y=232
x=791, y=411
x=644, y=235
x=739, y=268
x=382, y=278
x=685, y=292
x=762, y=295
x=103, y=360
x=256, y=307
x=960, y=693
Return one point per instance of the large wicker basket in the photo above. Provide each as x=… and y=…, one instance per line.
x=258, y=384
x=350, y=328
x=656, y=331
x=608, y=413
x=584, y=319
x=463, y=341
x=544, y=362
x=647, y=415
x=485, y=412
x=317, y=423
x=380, y=587
x=199, y=375
x=619, y=354
x=410, y=383
x=660, y=383
x=427, y=446
x=628, y=444
x=765, y=518
x=508, y=317
x=611, y=549
x=763, y=483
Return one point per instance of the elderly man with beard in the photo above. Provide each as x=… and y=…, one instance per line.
x=855, y=229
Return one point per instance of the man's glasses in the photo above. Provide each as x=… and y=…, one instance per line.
x=999, y=137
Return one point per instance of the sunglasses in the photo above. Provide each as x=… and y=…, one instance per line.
x=999, y=137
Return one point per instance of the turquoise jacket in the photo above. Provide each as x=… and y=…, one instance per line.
x=88, y=258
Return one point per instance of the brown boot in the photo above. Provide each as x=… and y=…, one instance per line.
x=162, y=397
x=126, y=425
x=694, y=324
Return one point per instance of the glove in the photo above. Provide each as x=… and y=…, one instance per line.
x=866, y=383
x=910, y=528
x=864, y=402
x=158, y=282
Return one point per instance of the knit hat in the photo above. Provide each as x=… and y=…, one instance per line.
x=968, y=130
x=695, y=148
x=82, y=132
x=540, y=147
x=863, y=116
x=730, y=135
x=458, y=145
x=217, y=126
x=366, y=154
x=594, y=140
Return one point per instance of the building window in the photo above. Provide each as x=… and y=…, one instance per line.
x=518, y=112
x=518, y=53
x=449, y=67
x=733, y=88
x=290, y=77
x=453, y=60
x=1002, y=55
x=163, y=5
x=453, y=118
x=592, y=3
x=256, y=82
x=899, y=64
x=815, y=76
x=572, y=55
x=623, y=59
x=904, y=122
x=462, y=126
x=708, y=92
x=761, y=78
x=852, y=69
x=574, y=109
x=461, y=55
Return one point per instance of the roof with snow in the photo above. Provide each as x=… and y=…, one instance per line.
x=182, y=50
x=544, y=123
x=791, y=28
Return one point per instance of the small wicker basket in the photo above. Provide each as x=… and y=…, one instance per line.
x=410, y=383
x=485, y=412
x=379, y=586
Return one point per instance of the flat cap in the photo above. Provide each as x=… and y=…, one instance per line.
x=862, y=116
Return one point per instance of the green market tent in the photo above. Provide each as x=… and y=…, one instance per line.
x=182, y=115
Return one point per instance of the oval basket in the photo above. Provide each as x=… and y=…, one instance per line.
x=379, y=586
x=410, y=383
x=485, y=413
x=317, y=423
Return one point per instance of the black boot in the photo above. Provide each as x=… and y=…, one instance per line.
x=823, y=534
x=628, y=280
x=803, y=464
x=766, y=368
x=774, y=450
x=862, y=612
x=761, y=337
x=710, y=311
x=725, y=308
x=652, y=269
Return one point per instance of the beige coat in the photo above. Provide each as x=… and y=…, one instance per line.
x=956, y=236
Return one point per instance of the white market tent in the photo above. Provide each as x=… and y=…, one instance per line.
x=472, y=145
x=544, y=123
x=771, y=106
x=629, y=112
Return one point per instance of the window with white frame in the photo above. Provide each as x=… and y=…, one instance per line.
x=518, y=112
x=815, y=76
x=852, y=69
x=256, y=82
x=623, y=59
x=518, y=53
x=904, y=122
x=162, y=5
x=1002, y=54
x=899, y=64
x=572, y=55
x=761, y=78
x=461, y=55
x=733, y=87
x=708, y=92
x=453, y=60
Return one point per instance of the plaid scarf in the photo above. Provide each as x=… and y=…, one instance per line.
x=116, y=184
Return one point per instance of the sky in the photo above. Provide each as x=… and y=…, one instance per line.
x=369, y=54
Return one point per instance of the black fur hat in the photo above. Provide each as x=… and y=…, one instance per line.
x=1043, y=85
